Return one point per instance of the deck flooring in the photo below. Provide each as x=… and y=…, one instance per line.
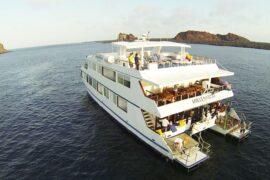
x=189, y=142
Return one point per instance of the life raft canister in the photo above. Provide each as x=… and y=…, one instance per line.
x=189, y=57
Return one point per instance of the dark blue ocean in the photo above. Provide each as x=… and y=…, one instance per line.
x=51, y=129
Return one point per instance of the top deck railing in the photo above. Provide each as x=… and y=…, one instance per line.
x=162, y=62
x=170, y=95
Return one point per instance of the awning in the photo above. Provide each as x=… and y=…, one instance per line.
x=145, y=44
x=172, y=76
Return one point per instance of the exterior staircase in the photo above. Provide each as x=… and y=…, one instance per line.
x=148, y=120
x=205, y=146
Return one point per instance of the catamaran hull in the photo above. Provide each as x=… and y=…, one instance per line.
x=142, y=137
x=233, y=134
x=130, y=128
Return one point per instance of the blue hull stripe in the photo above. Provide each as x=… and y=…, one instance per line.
x=127, y=123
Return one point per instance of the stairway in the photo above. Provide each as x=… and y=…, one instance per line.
x=205, y=146
x=148, y=120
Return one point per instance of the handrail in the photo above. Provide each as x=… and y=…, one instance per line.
x=188, y=155
x=205, y=59
x=192, y=94
x=142, y=88
x=243, y=116
x=150, y=91
x=205, y=146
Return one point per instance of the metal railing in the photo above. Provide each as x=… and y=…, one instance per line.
x=205, y=146
x=163, y=63
x=187, y=155
x=204, y=60
x=161, y=101
x=242, y=115
x=180, y=63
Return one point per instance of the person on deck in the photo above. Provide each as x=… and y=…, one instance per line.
x=172, y=127
x=178, y=145
x=137, y=61
x=131, y=59
x=165, y=124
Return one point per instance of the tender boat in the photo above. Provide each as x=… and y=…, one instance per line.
x=168, y=101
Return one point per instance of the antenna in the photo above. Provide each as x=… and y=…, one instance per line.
x=148, y=35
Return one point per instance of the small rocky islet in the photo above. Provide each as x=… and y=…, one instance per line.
x=2, y=49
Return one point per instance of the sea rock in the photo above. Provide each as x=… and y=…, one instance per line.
x=126, y=37
x=2, y=49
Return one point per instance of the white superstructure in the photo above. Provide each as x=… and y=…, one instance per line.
x=168, y=100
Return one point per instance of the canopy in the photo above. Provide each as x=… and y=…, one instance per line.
x=169, y=77
x=145, y=44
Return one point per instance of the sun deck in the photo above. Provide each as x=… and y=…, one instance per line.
x=152, y=56
x=156, y=61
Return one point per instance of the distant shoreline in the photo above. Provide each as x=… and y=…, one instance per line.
x=201, y=37
x=172, y=40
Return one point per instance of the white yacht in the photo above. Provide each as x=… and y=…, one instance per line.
x=168, y=101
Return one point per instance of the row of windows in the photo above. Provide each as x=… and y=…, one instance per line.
x=116, y=99
x=111, y=74
x=124, y=80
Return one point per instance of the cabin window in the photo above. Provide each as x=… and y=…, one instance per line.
x=90, y=80
x=94, y=66
x=95, y=84
x=110, y=74
x=100, y=69
x=100, y=88
x=127, y=82
x=124, y=80
x=120, y=78
x=122, y=103
x=114, y=98
x=106, y=93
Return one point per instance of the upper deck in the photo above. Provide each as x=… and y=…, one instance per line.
x=153, y=55
x=160, y=66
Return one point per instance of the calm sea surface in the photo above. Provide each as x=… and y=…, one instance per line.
x=51, y=129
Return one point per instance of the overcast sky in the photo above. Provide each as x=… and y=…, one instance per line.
x=26, y=23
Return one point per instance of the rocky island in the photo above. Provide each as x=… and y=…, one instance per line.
x=202, y=37
x=2, y=49
x=126, y=37
x=230, y=39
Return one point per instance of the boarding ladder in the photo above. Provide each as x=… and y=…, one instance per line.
x=242, y=116
x=205, y=146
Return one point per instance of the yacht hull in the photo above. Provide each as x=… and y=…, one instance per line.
x=130, y=128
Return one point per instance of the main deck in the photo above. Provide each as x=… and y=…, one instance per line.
x=191, y=154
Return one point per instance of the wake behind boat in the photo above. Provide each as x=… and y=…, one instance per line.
x=164, y=96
